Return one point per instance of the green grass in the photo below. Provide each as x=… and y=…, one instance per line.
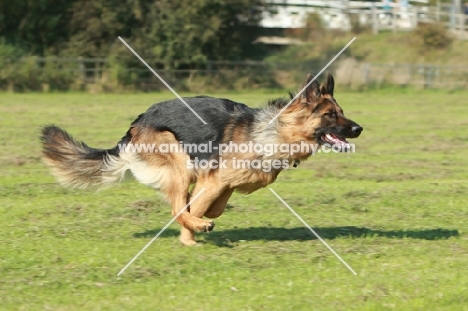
x=395, y=211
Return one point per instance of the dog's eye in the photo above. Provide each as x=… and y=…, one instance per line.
x=331, y=114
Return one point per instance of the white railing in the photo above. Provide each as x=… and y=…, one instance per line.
x=377, y=15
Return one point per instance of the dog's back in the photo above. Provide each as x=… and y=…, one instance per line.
x=219, y=114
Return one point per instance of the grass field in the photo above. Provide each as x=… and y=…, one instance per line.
x=396, y=211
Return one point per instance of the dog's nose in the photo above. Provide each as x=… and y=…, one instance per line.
x=357, y=129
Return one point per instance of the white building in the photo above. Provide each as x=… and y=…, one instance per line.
x=334, y=13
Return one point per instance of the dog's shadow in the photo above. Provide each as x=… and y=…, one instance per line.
x=226, y=238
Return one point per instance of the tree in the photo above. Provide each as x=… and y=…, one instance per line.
x=176, y=34
x=35, y=26
x=187, y=33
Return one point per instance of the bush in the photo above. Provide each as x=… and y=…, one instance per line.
x=20, y=75
x=56, y=76
x=15, y=75
x=432, y=36
x=356, y=26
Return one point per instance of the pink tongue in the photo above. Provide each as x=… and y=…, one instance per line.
x=335, y=139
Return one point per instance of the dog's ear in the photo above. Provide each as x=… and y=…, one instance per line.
x=323, y=89
x=312, y=92
x=329, y=85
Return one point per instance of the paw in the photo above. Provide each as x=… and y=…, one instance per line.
x=209, y=227
x=204, y=226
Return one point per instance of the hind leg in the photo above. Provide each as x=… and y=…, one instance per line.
x=169, y=172
x=176, y=191
x=215, y=209
x=187, y=236
x=191, y=218
x=210, y=191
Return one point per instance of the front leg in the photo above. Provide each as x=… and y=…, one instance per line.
x=217, y=207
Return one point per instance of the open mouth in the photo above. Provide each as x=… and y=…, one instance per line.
x=334, y=139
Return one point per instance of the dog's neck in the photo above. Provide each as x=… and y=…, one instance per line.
x=286, y=128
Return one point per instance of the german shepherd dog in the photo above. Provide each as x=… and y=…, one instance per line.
x=314, y=117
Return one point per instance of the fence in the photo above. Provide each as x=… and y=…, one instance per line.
x=97, y=75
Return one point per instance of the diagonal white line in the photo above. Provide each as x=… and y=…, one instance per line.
x=313, y=231
x=160, y=232
x=315, y=78
x=159, y=77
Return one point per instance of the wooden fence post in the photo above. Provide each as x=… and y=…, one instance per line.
x=415, y=9
x=366, y=74
x=375, y=29
x=461, y=21
x=465, y=28
x=82, y=72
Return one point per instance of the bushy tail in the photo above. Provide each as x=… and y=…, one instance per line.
x=76, y=165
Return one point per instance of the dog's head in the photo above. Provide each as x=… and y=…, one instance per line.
x=330, y=124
